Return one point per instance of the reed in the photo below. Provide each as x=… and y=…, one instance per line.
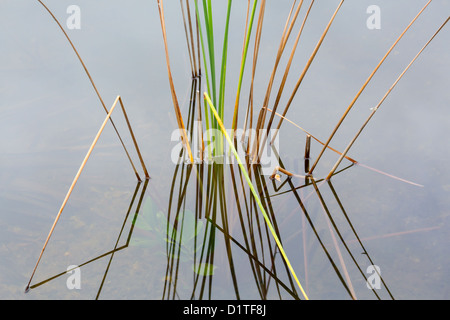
x=352, y=103
x=249, y=112
x=283, y=40
x=307, y=66
x=307, y=152
x=255, y=194
x=72, y=186
x=92, y=83
x=286, y=72
x=375, y=109
x=353, y=161
x=176, y=106
x=189, y=38
x=214, y=202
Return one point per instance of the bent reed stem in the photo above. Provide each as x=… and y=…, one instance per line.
x=362, y=89
x=375, y=109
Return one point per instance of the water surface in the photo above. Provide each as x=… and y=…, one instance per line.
x=50, y=115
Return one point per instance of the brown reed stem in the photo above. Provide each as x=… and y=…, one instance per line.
x=243, y=58
x=381, y=101
x=353, y=161
x=308, y=64
x=307, y=152
x=172, y=87
x=134, y=140
x=249, y=114
x=284, y=38
x=307, y=146
x=77, y=176
x=196, y=63
x=286, y=72
x=191, y=54
x=93, y=85
x=362, y=89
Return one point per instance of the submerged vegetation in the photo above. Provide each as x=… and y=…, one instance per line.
x=211, y=199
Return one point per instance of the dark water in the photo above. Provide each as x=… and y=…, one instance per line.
x=152, y=240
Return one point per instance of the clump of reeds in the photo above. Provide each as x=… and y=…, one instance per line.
x=200, y=39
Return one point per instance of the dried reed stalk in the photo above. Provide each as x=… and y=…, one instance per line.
x=93, y=84
x=77, y=176
x=308, y=64
x=362, y=89
x=176, y=106
x=191, y=53
x=286, y=72
x=353, y=161
x=134, y=141
x=249, y=113
x=307, y=152
x=284, y=38
x=381, y=101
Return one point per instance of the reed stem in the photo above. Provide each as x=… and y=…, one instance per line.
x=77, y=176
x=308, y=65
x=362, y=89
x=172, y=87
x=374, y=110
x=307, y=152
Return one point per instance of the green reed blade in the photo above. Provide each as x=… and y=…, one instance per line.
x=244, y=58
x=207, y=11
x=223, y=72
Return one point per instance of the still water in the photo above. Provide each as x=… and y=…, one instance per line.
x=153, y=240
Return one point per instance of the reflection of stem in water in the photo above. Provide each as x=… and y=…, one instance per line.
x=215, y=198
x=116, y=248
x=329, y=219
x=255, y=196
x=357, y=237
x=77, y=176
x=214, y=195
x=121, y=230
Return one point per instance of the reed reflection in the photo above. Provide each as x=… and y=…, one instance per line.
x=138, y=196
x=215, y=232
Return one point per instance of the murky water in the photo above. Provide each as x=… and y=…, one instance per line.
x=162, y=239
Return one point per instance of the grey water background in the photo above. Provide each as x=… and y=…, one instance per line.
x=49, y=115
